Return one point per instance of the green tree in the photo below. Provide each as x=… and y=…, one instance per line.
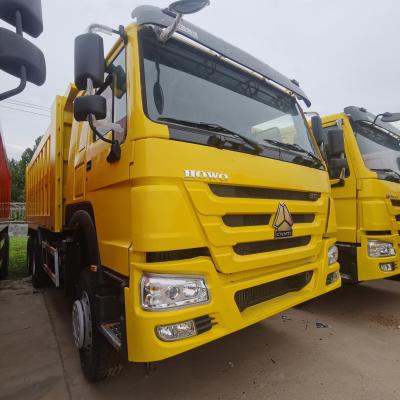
x=17, y=169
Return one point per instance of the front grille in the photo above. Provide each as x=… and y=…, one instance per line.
x=245, y=192
x=378, y=233
x=250, y=297
x=395, y=203
x=303, y=218
x=270, y=245
x=237, y=220
x=246, y=219
x=175, y=255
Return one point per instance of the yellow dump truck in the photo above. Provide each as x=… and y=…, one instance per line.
x=366, y=189
x=178, y=194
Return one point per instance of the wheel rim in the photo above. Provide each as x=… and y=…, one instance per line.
x=82, y=322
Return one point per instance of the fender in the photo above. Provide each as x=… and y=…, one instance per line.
x=81, y=219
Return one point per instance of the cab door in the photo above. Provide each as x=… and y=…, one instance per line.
x=107, y=183
x=344, y=191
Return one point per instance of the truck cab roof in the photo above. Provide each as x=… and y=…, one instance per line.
x=361, y=114
x=150, y=15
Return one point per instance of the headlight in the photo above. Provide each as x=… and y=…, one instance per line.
x=163, y=292
x=333, y=254
x=378, y=248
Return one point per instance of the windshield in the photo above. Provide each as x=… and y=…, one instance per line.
x=379, y=147
x=185, y=84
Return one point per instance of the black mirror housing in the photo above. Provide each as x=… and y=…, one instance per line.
x=335, y=143
x=317, y=129
x=89, y=60
x=16, y=52
x=31, y=15
x=86, y=105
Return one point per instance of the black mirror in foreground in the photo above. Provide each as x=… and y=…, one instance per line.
x=30, y=13
x=18, y=56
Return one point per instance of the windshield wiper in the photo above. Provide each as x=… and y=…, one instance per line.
x=295, y=147
x=215, y=128
x=389, y=173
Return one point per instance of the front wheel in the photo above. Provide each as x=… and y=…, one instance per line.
x=99, y=360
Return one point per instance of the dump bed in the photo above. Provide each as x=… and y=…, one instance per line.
x=45, y=172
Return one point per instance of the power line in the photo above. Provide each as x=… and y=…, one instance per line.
x=25, y=111
x=27, y=105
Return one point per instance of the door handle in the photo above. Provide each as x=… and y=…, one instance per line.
x=89, y=165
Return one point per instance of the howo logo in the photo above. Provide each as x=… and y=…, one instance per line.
x=283, y=222
x=190, y=173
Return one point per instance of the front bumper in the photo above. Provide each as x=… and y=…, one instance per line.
x=368, y=267
x=144, y=346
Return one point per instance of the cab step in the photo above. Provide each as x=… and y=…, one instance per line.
x=112, y=332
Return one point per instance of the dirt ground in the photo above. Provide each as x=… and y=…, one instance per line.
x=341, y=346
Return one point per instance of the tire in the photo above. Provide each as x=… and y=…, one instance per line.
x=99, y=360
x=29, y=255
x=5, y=257
x=39, y=276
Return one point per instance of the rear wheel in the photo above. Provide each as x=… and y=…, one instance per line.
x=5, y=257
x=29, y=255
x=99, y=360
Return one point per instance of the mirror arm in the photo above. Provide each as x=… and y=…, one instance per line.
x=18, y=89
x=93, y=28
x=91, y=120
x=115, y=151
x=167, y=33
x=18, y=23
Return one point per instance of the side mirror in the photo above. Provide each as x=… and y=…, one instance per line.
x=317, y=129
x=178, y=9
x=391, y=117
x=17, y=52
x=30, y=13
x=185, y=7
x=19, y=57
x=335, y=143
x=336, y=161
x=89, y=60
x=86, y=105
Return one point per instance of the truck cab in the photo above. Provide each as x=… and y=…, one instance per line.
x=180, y=193
x=367, y=195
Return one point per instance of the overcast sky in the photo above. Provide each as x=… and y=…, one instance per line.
x=343, y=52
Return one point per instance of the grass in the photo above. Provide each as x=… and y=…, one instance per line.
x=17, y=266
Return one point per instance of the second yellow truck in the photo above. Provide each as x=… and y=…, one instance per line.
x=366, y=189
x=179, y=194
